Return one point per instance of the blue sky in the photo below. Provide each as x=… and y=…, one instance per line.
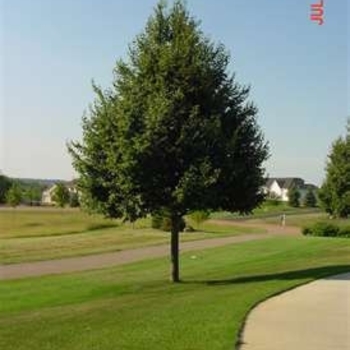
x=51, y=49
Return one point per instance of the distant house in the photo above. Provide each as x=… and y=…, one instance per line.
x=278, y=187
x=47, y=195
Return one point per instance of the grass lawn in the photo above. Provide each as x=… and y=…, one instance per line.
x=304, y=219
x=134, y=307
x=271, y=214
x=266, y=211
x=40, y=234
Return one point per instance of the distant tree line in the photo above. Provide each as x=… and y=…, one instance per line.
x=16, y=191
x=295, y=198
x=63, y=197
x=5, y=184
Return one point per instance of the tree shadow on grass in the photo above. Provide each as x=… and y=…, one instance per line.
x=332, y=272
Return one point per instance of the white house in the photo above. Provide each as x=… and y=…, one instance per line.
x=278, y=187
x=47, y=195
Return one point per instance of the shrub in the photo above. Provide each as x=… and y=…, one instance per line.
x=344, y=231
x=326, y=229
x=165, y=224
x=199, y=216
x=307, y=231
x=189, y=228
x=162, y=221
x=157, y=220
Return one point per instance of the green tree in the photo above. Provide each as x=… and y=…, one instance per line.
x=294, y=197
x=174, y=132
x=335, y=191
x=199, y=216
x=14, y=195
x=310, y=199
x=5, y=184
x=74, y=200
x=61, y=195
x=32, y=194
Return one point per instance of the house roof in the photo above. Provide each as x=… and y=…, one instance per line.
x=269, y=182
x=286, y=182
x=69, y=184
x=50, y=189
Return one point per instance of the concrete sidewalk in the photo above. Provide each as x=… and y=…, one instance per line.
x=312, y=317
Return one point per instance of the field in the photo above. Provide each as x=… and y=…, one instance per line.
x=40, y=234
x=271, y=214
x=134, y=307
x=301, y=220
x=266, y=211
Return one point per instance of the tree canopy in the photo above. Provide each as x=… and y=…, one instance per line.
x=175, y=131
x=61, y=195
x=335, y=191
x=294, y=197
x=14, y=195
x=5, y=184
x=310, y=199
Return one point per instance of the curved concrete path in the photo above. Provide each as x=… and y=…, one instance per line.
x=311, y=317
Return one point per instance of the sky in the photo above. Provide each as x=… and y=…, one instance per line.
x=50, y=50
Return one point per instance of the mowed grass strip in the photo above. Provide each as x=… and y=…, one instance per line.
x=134, y=307
x=303, y=220
x=42, y=234
x=40, y=222
x=266, y=211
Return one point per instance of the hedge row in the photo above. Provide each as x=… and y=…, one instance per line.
x=326, y=229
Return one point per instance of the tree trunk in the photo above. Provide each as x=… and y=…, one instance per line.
x=174, y=250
